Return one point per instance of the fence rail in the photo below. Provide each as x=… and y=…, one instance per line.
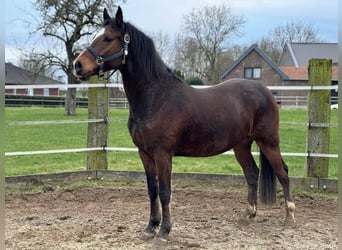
x=107, y=119
x=45, y=101
x=124, y=149
x=123, y=100
x=118, y=103
x=295, y=101
x=54, y=122
x=118, y=85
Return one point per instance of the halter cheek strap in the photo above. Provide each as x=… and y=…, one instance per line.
x=100, y=61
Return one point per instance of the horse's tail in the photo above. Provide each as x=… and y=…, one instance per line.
x=267, y=183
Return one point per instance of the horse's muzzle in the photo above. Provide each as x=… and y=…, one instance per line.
x=78, y=71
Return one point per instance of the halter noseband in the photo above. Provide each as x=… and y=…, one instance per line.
x=100, y=61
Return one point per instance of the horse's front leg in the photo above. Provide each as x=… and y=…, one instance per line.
x=163, y=163
x=153, y=190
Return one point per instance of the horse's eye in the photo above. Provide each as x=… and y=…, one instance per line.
x=108, y=40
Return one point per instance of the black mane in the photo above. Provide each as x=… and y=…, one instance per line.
x=142, y=52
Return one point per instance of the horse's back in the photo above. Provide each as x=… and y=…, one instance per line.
x=252, y=88
x=204, y=122
x=258, y=101
x=247, y=95
x=217, y=118
x=253, y=97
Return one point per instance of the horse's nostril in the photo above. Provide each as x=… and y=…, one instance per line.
x=78, y=67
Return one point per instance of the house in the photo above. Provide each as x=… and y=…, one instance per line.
x=299, y=54
x=18, y=76
x=292, y=69
x=255, y=64
x=295, y=58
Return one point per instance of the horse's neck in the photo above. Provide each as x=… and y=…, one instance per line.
x=140, y=93
x=144, y=91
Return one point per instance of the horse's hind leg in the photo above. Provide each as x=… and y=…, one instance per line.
x=272, y=152
x=251, y=171
x=153, y=191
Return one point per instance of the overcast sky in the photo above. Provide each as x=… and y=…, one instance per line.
x=167, y=16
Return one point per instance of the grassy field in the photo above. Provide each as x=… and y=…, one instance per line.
x=62, y=136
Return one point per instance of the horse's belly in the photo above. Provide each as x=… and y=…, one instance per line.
x=207, y=144
x=199, y=153
x=201, y=138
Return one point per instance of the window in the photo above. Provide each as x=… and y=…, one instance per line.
x=30, y=92
x=253, y=73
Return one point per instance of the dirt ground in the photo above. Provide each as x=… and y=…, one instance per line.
x=207, y=218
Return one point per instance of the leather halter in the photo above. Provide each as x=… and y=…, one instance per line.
x=100, y=61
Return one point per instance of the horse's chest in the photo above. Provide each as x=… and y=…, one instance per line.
x=136, y=134
x=151, y=135
x=141, y=134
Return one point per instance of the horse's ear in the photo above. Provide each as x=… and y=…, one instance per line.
x=106, y=15
x=118, y=17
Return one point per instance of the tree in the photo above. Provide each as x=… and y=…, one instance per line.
x=66, y=23
x=270, y=48
x=210, y=30
x=189, y=58
x=291, y=31
x=30, y=62
x=161, y=41
x=294, y=31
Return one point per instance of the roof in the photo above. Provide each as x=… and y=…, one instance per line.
x=17, y=76
x=268, y=60
x=301, y=73
x=301, y=53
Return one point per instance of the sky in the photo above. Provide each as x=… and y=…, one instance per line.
x=152, y=16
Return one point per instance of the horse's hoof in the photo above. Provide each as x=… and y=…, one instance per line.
x=149, y=234
x=251, y=211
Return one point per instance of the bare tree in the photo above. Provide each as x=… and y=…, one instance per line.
x=29, y=61
x=66, y=23
x=270, y=48
x=162, y=43
x=189, y=58
x=211, y=28
x=291, y=31
x=294, y=31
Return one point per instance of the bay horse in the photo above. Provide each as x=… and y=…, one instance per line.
x=167, y=118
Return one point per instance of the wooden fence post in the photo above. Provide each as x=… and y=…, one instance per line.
x=98, y=131
x=318, y=137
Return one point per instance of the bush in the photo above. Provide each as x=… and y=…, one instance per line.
x=194, y=81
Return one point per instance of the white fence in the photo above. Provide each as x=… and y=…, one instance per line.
x=117, y=149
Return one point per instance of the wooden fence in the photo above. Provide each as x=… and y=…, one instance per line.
x=317, y=127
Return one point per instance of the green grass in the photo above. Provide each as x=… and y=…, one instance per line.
x=61, y=136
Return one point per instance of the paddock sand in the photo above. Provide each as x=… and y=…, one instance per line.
x=206, y=218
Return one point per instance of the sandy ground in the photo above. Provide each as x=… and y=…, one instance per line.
x=207, y=218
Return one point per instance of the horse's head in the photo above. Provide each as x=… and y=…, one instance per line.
x=108, y=50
